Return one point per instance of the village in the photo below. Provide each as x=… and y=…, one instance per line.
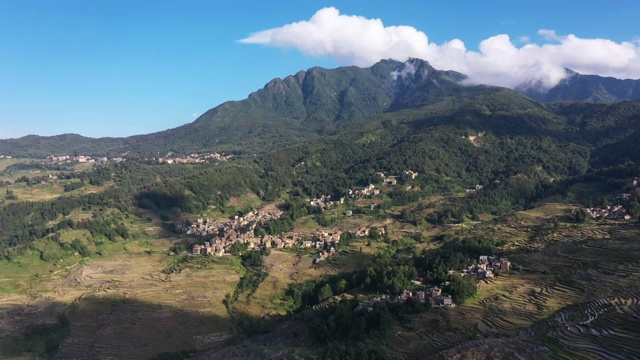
x=433, y=296
x=325, y=201
x=65, y=159
x=195, y=158
x=241, y=229
x=616, y=211
x=484, y=268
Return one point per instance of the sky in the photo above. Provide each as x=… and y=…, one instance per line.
x=119, y=68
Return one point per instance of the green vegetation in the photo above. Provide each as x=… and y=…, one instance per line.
x=42, y=339
x=489, y=160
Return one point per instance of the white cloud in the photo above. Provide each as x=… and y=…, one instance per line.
x=524, y=39
x=194, y=115
x=550, y=35
x=355, y=40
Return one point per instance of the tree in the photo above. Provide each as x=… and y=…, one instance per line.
x=341, y=286
x=325, y=292
x=581, y=216
x=461, y=288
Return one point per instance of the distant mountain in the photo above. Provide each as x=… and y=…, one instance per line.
x=591, y=88
x=308, y=104
x=320, y=102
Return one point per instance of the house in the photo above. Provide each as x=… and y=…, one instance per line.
x=505, y=265
x=348, y=213
x=434, y=292
x=484, y=274
x=379, y=175
x=443, y=301
x=409, y=175
x=390, y=181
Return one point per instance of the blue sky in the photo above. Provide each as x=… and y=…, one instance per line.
x=119, y=68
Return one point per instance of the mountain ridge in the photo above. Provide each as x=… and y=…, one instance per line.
x=317, y=102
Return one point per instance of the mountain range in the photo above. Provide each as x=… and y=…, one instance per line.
x=321, y=102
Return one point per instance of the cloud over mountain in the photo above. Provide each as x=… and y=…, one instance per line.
x=355, y=40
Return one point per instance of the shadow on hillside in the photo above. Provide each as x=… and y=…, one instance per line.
x=114, y=326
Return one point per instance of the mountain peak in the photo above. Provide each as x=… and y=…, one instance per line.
x=412, y=69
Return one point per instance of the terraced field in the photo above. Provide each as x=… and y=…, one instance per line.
x=123, y=306
x=576, y=298
x=574, y=293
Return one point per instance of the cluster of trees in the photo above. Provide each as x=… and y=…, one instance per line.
x=63, y=250
x=42, y=339
x=342, y=322
x=390, y=273
x=73, y=186
x=255, y=274
x=37, y=165
x=109, y=227
x=293, y=210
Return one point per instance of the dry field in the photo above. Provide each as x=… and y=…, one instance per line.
x=123, y=305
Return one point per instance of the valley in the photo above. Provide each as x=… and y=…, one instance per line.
x=334, y=214
x=572, y=285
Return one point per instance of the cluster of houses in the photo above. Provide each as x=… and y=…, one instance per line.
x=322, y=240
x=209, y=248
x=436, y=298
x=195, y=158
x=615, y=212
x=407, y=175
x=485, y=267
x=476, y=188
x=367, y=191
x=239, y=225
x=433, y=295
x=387, y=180
x=54, y=159
x=325, y=201
x=327, y=242
x=5, y=157
x=241, y=230
x=323, y=255
x=368, y=305
x=618, y=211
